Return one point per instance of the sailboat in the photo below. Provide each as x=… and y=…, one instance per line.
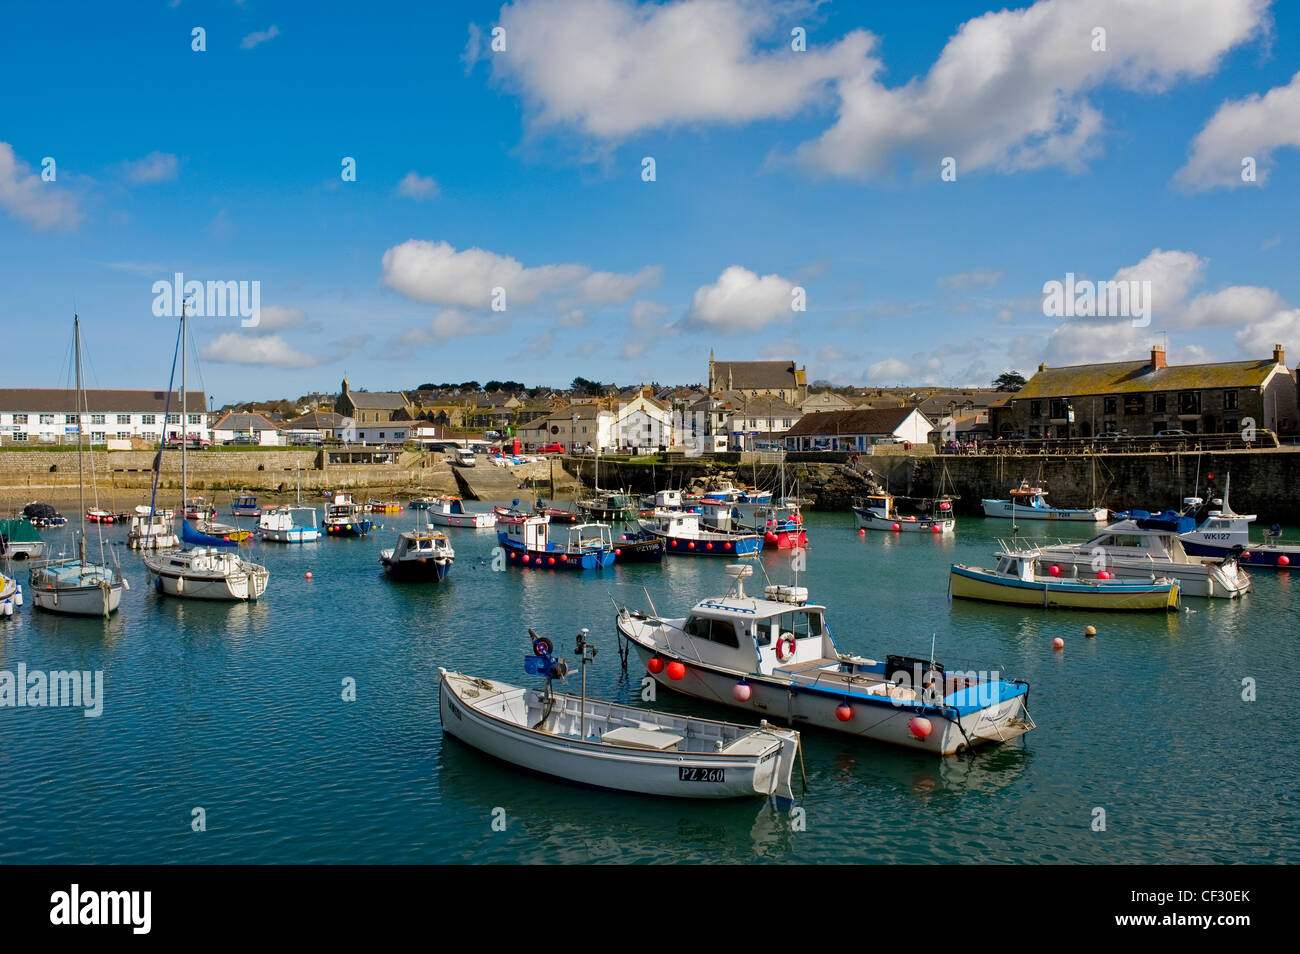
x=78, y=587
x=207, y=570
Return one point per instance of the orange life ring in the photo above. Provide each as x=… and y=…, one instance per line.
x=781, y=653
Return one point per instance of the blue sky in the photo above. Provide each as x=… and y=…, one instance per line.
x=775, y=169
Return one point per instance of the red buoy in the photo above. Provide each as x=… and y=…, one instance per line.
x=550, y=561
x=655, y=665
x=676, y=670
x=1058, y=644
x=1054, y=570
x=1284, y=560
x=742, y=691
x=862, y=531
x=897, y=527
x=844, y=712
x=1104, y=575
x=309, y=574
x=691, y=545
x=920, y=727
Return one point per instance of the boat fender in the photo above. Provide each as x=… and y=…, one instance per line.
x=907, y=445
x=785, y=647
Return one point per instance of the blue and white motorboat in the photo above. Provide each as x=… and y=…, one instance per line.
x=289, y=525
x=774, y=655
x=1215, y=530
x=420, y=555
x=344, y=518
x=245, y=505
x=684, y=534
x=526, y=539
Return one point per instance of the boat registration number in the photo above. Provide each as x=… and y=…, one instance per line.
x=693, y=774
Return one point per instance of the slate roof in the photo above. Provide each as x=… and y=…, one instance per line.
x=878, y=421
x=378, y=400
x=752, y=375
x=243, y=421
x=1127, y=377
x=98, y=400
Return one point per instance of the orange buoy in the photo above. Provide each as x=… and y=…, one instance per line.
x=309, y=574
x=844, y=712
x=676, y=670
x=920, y=727
x=1058, y=643
x=655, y=665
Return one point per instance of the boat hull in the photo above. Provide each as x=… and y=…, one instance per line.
x=553, y=559
x=294, y=535
x=881, y=720
x=972, y=583
x=1265, y=555
x=1002, y=508
x=92, y=600
x=1194, y=579
x=418, y=570
x=597, y=765
x=476, y=521
x=871, y=521
x=353, y=528
x=638, y=551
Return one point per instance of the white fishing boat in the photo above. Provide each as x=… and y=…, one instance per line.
x=289, y=525
x=208, y=570
x=449, y=511
x=683, y=533
x=20, y=540
x=1030, y=503
x=774, y=655
x=78, y=587
x=1129, y=551
x=424, y=555
x=151, y=530
x=884, y=511
x=609, y=746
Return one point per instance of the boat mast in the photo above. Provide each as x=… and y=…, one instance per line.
x=81, y=481
x=184, y=427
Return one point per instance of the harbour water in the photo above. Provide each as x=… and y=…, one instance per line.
x=238, y=709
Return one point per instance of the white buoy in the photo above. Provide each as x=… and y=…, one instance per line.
x=18, y=597
x=9, y=607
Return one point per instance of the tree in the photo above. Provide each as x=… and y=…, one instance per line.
x=469, y=385
x=1009, y=381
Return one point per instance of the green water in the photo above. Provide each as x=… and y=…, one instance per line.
x=237, y=709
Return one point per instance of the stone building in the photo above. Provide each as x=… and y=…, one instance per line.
x=778, y=379
x=374, y=407
x=1149, y=396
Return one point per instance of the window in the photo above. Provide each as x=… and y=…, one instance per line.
x=96, y=437
x=787, y=423
x=148, y=419
x=1135, y=404
x=20, y=418
x=1035, y=408
x=150, y=435
x=20, y=437
x=1060, y=408
x=721, y=631
x=173, y=418
x=47, y=418
x=1158, y=403
x=69, y=419
x=124, y=419
x=97, y=419
x=1229, y=400
x=1189, y=402
x=1108, y=405
x=195, y=419
x=123, y=435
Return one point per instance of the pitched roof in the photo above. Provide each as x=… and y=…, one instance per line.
x=243, y=421
x=765, y=406
x=584, y=412
x=378, y=400
x=317, y=420
x=98, y=400
x=1126, y=377
x=755, y=374
x=878, y=421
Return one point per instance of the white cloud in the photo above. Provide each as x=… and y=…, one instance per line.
x=971, y=280
x=1282, y=327
x=416, y=186
x=1172, y=274
x=893, y=371
x=155, y=167
x=615, y=67
x=1254, y=127
x=26, y=196
x=437, y=273
x=259, y=37
x=263, y=350
x=741, y=301
x=573, y=319
x=275, y=317
x=1010, y=90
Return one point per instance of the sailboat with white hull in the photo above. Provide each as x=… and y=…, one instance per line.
x=78, y=587
x=203, y=572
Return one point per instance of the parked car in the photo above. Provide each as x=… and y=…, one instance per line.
x=1174, y=432
x=551, y=449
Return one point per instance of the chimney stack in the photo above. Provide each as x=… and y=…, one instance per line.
x=1279, y=356
x=1158, y=358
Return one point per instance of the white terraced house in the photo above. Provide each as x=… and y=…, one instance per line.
x=37, y=416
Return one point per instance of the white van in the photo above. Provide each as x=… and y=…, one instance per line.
x=464, y=457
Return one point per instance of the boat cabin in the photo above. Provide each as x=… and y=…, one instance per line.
x=530, y=531
x=668, y=499
x=421, y=544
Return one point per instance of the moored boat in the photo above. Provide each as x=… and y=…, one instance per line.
x=775, y=655
x=289, y=525
x=206, y=573
x=419, y=555
x=43, y=515
x=782, y=525
x=683, y=534
x=449, y=511
x=884, y=511
x=77, y=588
x=609, y=746
x=20, y=540
x=526, y=539
x=151, y=530
x=1129, y=551
x=343, y=518
x=638, y=547
x=1030, y=503
x=1018, y=579
x=245, y=505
